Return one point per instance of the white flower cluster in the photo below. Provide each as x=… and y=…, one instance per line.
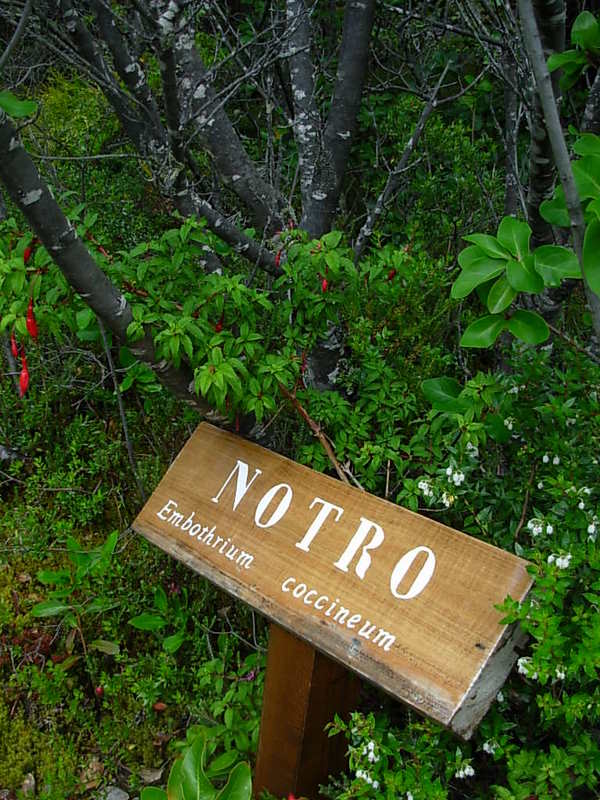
x=456, y=476
x=562, y=562
x=361, y=773
x=447, y=499
x=509, y=422
x=465, y=772
x=546, y=459
x=409, y=796
x=369, y=752
x=490, y=747
x=472, y=449
x=592, y=530
x=425, y=487
x=560, y=673
x=523, y=667
x=536, y=526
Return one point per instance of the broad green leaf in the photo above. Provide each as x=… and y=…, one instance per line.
x=471, y=257
x=588, y=144
x=585, y=31
x=172, y=643
x=478, y=271
x=514, y=234
x=194, y=783
x=555, y=263
x=528, y=326
x=152, y=793
x=16, y=108
x=483, y=332
x=489, y=244
x=148, y=622
x=444, y=395
x=160, y=599
x=495, y=427
x=222, y=764
x=501, y=296
x=49, y=608
x=332, y=239
x=593, y=207
x=555, y=210
x=174, y=784
x=103, y=646
x=60, y=577
x=586, y=172
x=591, y=255
x=522, y=276
x=558, y=60
x=239, y=785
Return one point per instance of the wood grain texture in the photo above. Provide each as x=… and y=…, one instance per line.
x=446, y=640
x=303, y=691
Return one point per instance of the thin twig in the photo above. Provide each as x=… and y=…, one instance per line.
x=525, y=502
x=16, y=35
x=574, y=344
x=316, y=430
x=130, y=454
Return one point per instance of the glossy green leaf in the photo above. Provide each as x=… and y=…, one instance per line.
x=528, y=326
x=495, y=427
x=222, y=764
x=585, y=32
x=106, y=647
x=174, y=784
x=489, y=244
x=555, y=210
x=148, y=622
x=514, y=235
x=559, y=60
x=171, y=644
x=556, y=263
x=16, y=108
x=194, y=783
x=588, y=144
x=475, y=271
x=483, y=332
x=152, y=793
x=522, y=276
x=160, y=599
x=239, y=785
x=443, y=394
x=586, y=172
x=591, y=255
x=49, y=608
x=501, y=296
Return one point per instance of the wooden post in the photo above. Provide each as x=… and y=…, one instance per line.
x=304, y=689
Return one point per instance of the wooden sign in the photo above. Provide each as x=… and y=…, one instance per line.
x=402, y=600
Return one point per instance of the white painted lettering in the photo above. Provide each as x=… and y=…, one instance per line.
x=188, y=523
x=195, y=529
x=341, y=614
x=310, y=534
x=422, y=579
x=364, y=562
x=321, y=605
x=162, y=514
x=175, y=518
x=284, y=585
x=354, y=620
x=242, y=485
x=299, y=590
x=308, y=594
x=281, y=509
x=384, y=639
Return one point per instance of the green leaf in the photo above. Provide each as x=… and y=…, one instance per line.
x=16, y=108
x=501, y=296
x=555, y=263
x=49, y=608
x=239, y=785
x=148, y=622
x=495, y=427
x=194, y=783
x=332, y=239
x=586, y=172
x=591, y=255
x=174, y=787
x=514, y=234
x=555, y=210
x=588, y=144
x=476, y=270
x=172, y=643
x=103, y=646
x=444, y=394
x=152, y=793
x=483, y=332
x=489, y=244
x=559, y=60
x=585, y=31
x=522, y=276
x=160, y=599
x=528, y=326
x=222, y=764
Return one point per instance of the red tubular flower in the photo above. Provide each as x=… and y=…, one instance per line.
x=23, y=378
x=277, y=259
x=27, y=253
x=391, y=274
x=14, y=348
x=32, y=329
x=219, y=325
x=324, y=285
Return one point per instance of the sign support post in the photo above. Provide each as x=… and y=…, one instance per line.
x=303, y=691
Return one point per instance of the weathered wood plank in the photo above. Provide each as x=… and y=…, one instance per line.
x=303, y=691
x=402, y=600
